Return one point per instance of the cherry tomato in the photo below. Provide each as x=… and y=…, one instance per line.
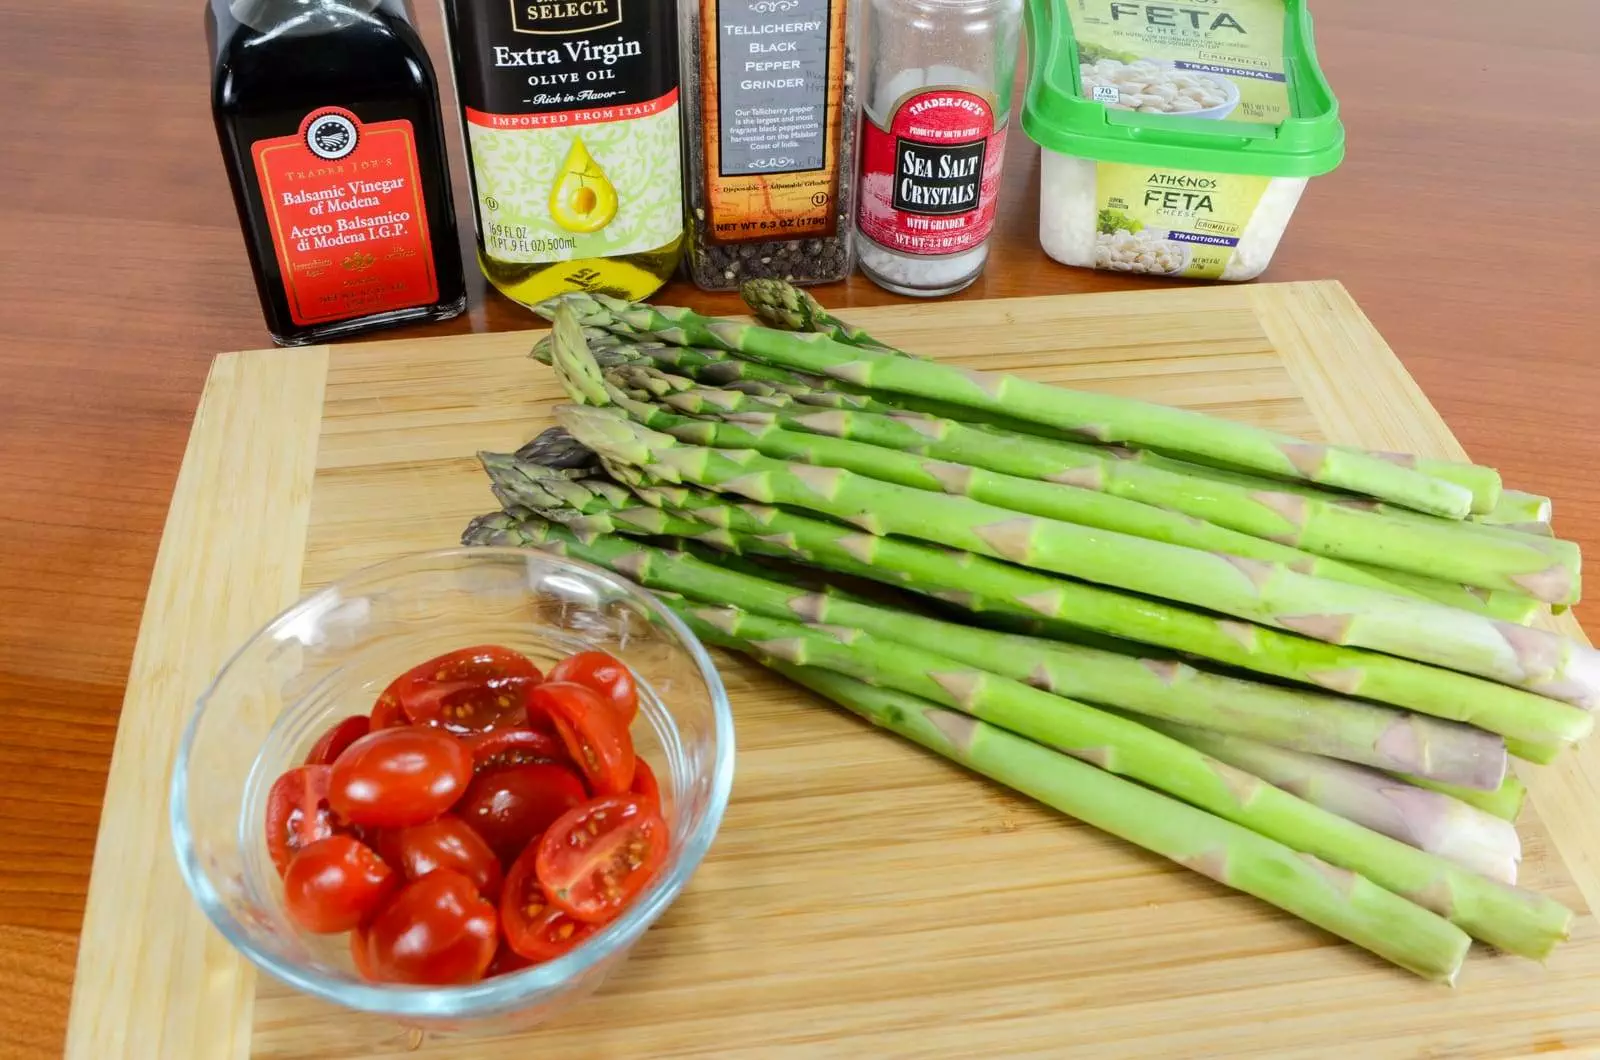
x=361, y=954
x=515, y=747
x=595, y=859
x=535, y=929
x=645, y=785
x=298, y=813
x=512, y=806
x=506, y=960
x=398, y=777
x=593, y=734
x=436, y=931
x=471, y=690
x=387, y=713
x=448, y=843
x=336, y=739
x=334, y=884
x=604, y=674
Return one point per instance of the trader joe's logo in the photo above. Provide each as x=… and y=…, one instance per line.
x=564, y=16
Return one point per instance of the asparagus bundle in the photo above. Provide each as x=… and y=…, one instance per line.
x=1323, y=524
x=1515, y=921
x=1539, y=726
x=1266, y=593
x=585, y=383
x=1098, y=417
x=782, y=305
x=1349, y=906
x=1425, y=819
x=1318, y=723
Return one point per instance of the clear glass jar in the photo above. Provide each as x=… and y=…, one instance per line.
x=936, y=105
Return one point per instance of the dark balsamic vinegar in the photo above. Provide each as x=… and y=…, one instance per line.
x=328, y=116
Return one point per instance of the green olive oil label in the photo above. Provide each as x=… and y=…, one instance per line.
x=1171, y=222
x=1209, y=59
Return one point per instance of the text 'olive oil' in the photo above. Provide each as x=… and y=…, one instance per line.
x=570, y=115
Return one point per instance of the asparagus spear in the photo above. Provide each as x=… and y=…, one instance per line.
x=1099, y=417
x=1540, y=726
x=1495, y=603
x=1250, y=589
x=584, y=381
x=1483, y=482
x=1424, y=819
x=1516, y=921
x=1326, y=725
x=1351, y=907
x=1504, y=802
x=1322, y=524
x=783, y=305
x=1527, y=513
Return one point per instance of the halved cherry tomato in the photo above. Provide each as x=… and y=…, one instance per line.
x=436, y=931
x=592, y=731
x=512, y=806
x=604, y=674
x=334, y=884
x=336, y=739
x=387, y=713
x=471, y=690
x=515, y=747
x=398, y=777
x=535, y=929
x=645, y=785
x=448, y=843
x=298, y=813
x=600, y=855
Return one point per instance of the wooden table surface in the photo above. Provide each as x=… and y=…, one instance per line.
x=1463, y=221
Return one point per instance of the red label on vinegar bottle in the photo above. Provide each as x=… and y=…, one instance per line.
x=929, y=181
x=344, y=202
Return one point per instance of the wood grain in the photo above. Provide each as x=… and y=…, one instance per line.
x=123, y=274
x=941, y=916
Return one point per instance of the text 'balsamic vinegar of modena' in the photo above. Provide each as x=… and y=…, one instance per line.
x=570, y=115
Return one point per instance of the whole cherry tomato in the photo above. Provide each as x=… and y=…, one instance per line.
x=436, y=931
x=604, y=674
x=512, y=806
x=506, y=960
x=598, y=856
x=594, y=735
x=398, y=777
x=447, y=843
x=471, y=690
x=298, y=813
x=645, y=785
x=515, y=747
x=534, y=929
x=334, y=884
x=336, y=739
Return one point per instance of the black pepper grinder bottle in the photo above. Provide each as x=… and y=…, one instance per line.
x=328, y=115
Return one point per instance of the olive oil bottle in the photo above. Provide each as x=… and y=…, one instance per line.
x=569, y=110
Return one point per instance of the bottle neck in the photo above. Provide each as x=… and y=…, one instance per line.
x=301, y=18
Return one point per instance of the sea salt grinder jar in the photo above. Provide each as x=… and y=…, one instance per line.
x=1177, y=139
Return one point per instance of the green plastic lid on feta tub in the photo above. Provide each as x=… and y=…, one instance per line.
x=1231, y=86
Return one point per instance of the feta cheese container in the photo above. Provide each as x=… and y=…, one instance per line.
x=1177, y=137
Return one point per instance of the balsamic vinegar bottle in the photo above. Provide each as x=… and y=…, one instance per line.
x=328, y=115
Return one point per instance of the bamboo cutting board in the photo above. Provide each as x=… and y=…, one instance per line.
x=864, y=899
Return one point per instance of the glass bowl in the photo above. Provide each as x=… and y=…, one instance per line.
x=330, y=655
